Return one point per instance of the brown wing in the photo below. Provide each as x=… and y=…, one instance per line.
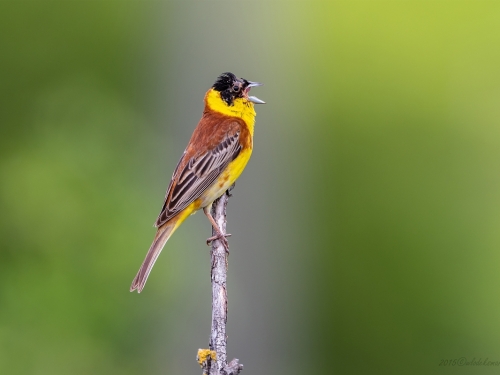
x=197, y=174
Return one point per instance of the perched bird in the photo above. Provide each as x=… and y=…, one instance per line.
x=215, y=156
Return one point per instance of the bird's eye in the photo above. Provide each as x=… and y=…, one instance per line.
x=236, y=88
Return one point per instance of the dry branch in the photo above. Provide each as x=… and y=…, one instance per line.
x=214, y=360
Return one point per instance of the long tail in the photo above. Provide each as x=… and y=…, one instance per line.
x=162, y=235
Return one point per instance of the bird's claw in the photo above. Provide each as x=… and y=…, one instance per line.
x=222, y=238
x=228, y=191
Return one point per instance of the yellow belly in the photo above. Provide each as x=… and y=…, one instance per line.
x=225, y=180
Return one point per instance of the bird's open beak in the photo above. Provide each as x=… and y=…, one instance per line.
x=253, y=99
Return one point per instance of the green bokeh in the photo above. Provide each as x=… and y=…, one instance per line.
x=365, y=229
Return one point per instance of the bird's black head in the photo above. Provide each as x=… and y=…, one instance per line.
x=231, y=88
x=224, y=81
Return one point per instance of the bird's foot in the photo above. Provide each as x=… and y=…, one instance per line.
x=228, y=191
x=222, y=238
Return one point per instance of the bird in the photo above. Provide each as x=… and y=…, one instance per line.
x=217, y=153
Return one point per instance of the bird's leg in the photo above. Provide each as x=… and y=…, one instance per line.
x=228, y=191
x=221, y=237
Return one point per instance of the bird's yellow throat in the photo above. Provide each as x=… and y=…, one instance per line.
x=241, y=108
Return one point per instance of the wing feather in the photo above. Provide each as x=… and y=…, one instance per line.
x=197, y=175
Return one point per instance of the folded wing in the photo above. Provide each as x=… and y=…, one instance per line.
x=196, y=175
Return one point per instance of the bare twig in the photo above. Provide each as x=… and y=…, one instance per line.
x=214, y=360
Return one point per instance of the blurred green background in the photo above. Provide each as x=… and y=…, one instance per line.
x=365, y=229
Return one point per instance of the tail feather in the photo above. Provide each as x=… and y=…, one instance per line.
x=162, y=235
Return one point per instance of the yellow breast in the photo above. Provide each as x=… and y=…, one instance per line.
x=241, y=108
x=226, y=179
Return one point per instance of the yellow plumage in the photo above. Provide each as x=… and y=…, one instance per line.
x=241, y=109
x=215, y=157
